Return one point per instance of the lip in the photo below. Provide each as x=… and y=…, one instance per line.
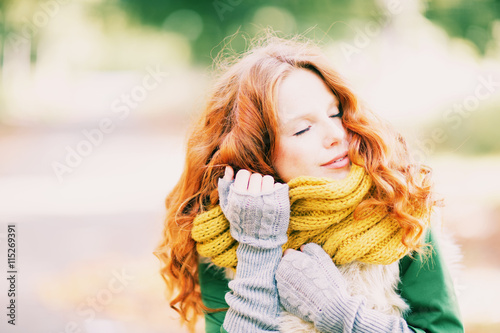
x=337, y=165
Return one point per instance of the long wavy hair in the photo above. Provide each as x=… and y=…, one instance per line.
x=239, y=127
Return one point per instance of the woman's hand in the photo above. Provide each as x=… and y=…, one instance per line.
x=311, y=287
x=258, y=209
x=308, y=281
x=252, y=183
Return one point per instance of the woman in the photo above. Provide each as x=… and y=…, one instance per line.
x=312, y=166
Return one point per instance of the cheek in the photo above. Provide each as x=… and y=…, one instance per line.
x=292, y=159
x=280, y=160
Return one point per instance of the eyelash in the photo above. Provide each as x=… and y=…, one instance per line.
x=338, y=115
x=303, y=131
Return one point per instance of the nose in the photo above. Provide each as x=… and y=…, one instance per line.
x=333, y=132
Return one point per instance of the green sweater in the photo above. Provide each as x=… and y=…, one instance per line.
x=425, y=285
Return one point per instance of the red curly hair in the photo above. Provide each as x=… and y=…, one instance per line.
x=238, y=127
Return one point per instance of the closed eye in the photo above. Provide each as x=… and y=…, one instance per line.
x=339, y=113
x=302, y=131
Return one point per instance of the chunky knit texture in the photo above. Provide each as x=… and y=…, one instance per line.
x=259, y=222
x=312, y=288
x=321, y=213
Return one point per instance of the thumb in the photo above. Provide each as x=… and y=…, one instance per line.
x=316, y=251
x=324, y=261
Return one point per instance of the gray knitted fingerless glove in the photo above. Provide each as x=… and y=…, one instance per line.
x=259, y=223
x=259, y=220
x=311, y=287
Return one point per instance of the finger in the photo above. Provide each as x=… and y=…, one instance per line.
x=323, y=260
x=297, y=260
x=267, y=183
x=228, y=173
x=241, y=180
x=255, y=183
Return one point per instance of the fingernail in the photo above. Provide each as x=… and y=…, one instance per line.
x=228, y=173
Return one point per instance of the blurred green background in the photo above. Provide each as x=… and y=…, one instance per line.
x=96, y=97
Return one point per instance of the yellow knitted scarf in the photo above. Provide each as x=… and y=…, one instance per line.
x=321, y=211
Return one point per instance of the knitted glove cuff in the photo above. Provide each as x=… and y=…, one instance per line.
x=339, y=316
x=350, y=314
x=253, y=302
x=259, y=220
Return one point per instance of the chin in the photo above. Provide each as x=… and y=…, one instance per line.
x=339, y=175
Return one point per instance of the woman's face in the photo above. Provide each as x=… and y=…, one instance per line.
x=312, y=139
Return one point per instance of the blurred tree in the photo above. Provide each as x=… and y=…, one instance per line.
x=21, y=23
x=207, y=23
x=468, y=19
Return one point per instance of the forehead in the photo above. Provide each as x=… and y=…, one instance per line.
x=303, y=91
